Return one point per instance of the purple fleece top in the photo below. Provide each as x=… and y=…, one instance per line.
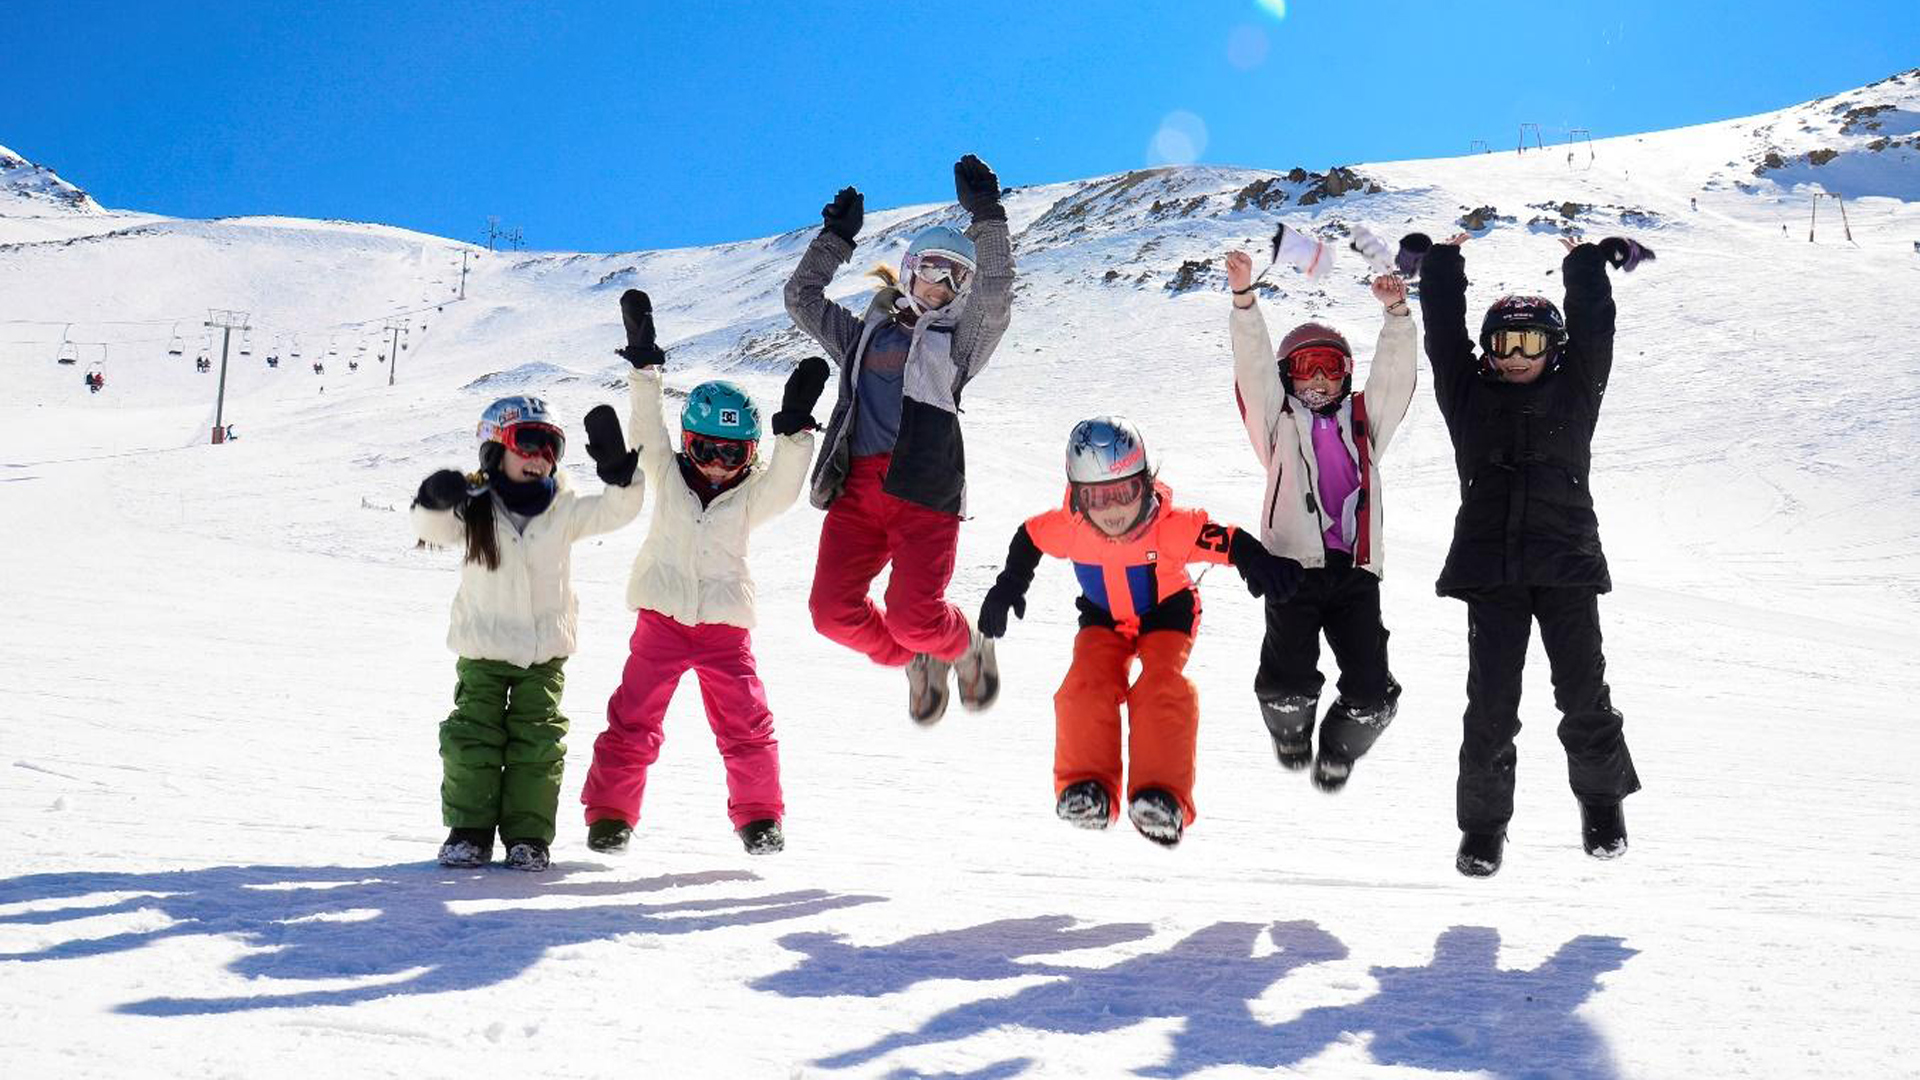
x=1339, y=478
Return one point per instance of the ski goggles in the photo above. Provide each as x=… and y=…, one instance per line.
x=707, y=450
x=1110, y=494
x=1308, y=361
x=937, y=269
x=534, y=440
x=1527, y=341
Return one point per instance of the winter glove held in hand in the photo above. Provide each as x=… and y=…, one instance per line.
x=1266, y=574
x=804, y=386
x=636, y=311
x=842, y=216
x=608, y=447
x=1413, y=247
x=1625, y=254
x=993, y=610
x=978, y=189
x=443, y=490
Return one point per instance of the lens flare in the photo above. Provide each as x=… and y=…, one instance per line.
x=1275, y=8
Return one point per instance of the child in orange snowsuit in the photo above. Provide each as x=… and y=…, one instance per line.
x=1129, y=546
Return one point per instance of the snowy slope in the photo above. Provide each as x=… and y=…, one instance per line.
x=219, y=764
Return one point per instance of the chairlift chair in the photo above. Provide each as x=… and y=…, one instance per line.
x=69, y=353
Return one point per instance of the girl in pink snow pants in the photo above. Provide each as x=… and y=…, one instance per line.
x=691, y=588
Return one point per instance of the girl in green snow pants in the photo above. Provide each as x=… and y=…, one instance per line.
x=514, y=620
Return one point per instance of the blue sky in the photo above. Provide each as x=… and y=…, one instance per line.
x=608, y=126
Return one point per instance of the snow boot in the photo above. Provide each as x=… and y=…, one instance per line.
x=1480, y=853
x=1085, y=804
x=1603, y=829
x=1348, y=733
x=1290, y=721
x=609, y=835
x=529, y=855
x=977, y=673
x=1157, y=815
x=927, y=688
x=467, y=848
x=762, y=837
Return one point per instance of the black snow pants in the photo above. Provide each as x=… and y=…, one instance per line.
x=1499, y=622
x=1344, y=603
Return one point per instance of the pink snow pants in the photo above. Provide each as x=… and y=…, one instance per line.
x=865, y=528
x=722, y=658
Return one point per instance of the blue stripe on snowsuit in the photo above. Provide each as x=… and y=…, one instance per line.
x=1145, y=590
x=1093, y=582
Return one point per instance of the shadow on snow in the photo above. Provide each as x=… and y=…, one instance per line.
x=396, y=923
x=1459, y=1012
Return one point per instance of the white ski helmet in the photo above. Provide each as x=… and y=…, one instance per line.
x=1105, y=448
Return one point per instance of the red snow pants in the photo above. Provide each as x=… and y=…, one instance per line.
x=1163, y=715
x=722, y=658
x=865, y=529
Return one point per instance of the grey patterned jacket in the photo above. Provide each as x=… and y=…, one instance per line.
x=949, y=348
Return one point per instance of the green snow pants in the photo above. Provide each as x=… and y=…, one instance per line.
x=503, y=748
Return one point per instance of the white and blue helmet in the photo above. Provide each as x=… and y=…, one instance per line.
x=939, y=253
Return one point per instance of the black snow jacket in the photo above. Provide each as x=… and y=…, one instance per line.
x=1523, y=452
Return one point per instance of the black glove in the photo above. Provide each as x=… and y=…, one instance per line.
x=842, y=216
x=1625, y=254
x=993, y=610
x=803, y=391
x=444, y=490
x=636, y=311
x=608, y=447
x=1266, y=574
x=1413, y=247
x=978, y=189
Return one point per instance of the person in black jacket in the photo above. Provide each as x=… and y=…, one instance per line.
x=1526, y=544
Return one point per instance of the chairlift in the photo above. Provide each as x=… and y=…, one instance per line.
x=176, y=347
x=246, y=343
x=69, y=353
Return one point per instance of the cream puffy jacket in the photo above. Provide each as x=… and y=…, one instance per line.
x=692, y=567
x=1292, y=520
x=525, y=612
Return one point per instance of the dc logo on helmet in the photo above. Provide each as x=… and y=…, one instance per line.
x=730, y=417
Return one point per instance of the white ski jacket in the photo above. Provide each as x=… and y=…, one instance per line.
x=692, y=567
x=525, y=612
x=1292, y=521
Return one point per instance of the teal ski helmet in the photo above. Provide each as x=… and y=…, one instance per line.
x=721, y=410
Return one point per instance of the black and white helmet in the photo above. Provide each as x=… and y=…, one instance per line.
x=1105, y=448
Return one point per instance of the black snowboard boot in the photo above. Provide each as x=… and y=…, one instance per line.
x=1157, y=815
x=1480, y=853
x=1290, y=721
x=762, y=837
x=467, y=848
x=1348, y=732
x=609, y=835
x=1603, y=829
x=1085, y=804
x=528, y=855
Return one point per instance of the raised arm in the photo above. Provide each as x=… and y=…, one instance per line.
x=612, y=509
x=1590, y=315
x=1393, y=374
x=834, y=327
x=990, y=300
x=649, y=424
x=779, y=486
x=1256, y=372
x=433, y=516
x=1443, y=313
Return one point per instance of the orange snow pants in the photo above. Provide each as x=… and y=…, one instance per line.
x=1163, y=714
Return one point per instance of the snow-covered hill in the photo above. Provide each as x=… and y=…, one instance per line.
x=228, y=661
